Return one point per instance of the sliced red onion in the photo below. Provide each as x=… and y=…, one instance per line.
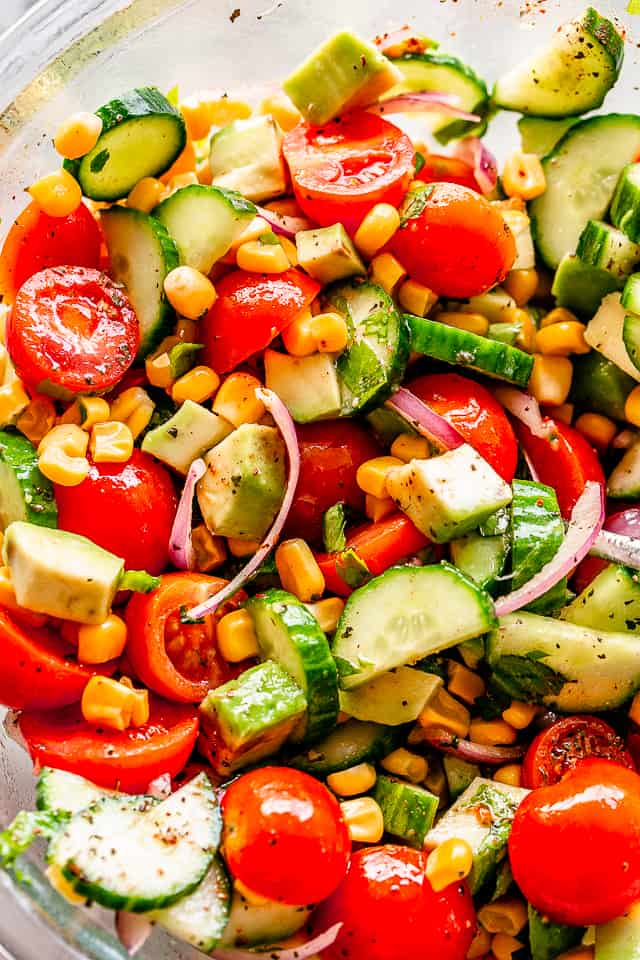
x=473, y=752
x=530, y=465
x=180, y=544
x=485, y=168
x=624, y=439
x=585, y=524
x=160, y=788
x=617, y=548
x=133, y=930
x=287, y=428
x=425, y=420
x=422, y=101
x=308, y=949
x=286, y=226
x=525, y=408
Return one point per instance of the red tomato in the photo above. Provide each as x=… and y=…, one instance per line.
x=341, y=170
x=389, y=910
x=564, y=462
x=37, y=241
x=179, y=661
x=284, y=835
x=476, y=415
x=458, y=245
x=127, y=508
x=439, y=169
x=250, y=311
x=575, y=845
x=127, y=760
x=330, y=454
x=623, y=521
x=568, y=742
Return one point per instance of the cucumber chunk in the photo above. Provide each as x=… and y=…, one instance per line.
x=350, y=743
x=201, y=917
x=625, y=206
x=251, y=924
x=394, y=698
x=408, y=810
x=606, y=334
x=610, y=602
x=25, y=492
x=66, y=792
x=537, y=530
x=618, y=939
x=601, y=245
x=624, y=479
x=630, y=298
x=599, y=385
x=548, y=940
x=460, y=774
x=540, y=135
x=581, y=287
x=481, y=558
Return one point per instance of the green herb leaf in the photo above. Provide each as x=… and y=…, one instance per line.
x=502, y=806
x=333, y=526
x=186, y=619
x=139, y=581
x=433, y=664
x=527, y=678
x=492, y=704
x=414, y=203
x=352, y=569
x=182, y=357
x=269, y=239
x=418, y=162
x=27, y=827
x=99, y=161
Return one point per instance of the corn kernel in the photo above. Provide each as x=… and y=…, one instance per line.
x=74, y=440
x=446, y=712
x=511, y=774
x=100, y=642
x=146, y=195
x=464, y=683
x=85, y=412
x=550, y=380
x=61, y=455
x=9, y=601
x=404, y=763
x=632, y=407
x=377, y=509
x=14, y=400
x=189, y=292
x=58, y=194
x=327, y=613
x=133, y=407
x=415, y=298
x=140, y=712
x=523, y=176
x=37, y=419
x=562, y=339
x=204, y=172
x=371, y=475
x=203, y=111
x=377, y=228
x=329, y=330
x=181, y=180
x=236, y=636
x=258, y=257
x=407, y=447
x=299, y=571
x=198, y=384
x=558, y=315
x=521, y=285
x=253, y=231
x=111, y=442
x=505, y=915
x=355, y=780
x=472, y=322
x=108, y=703
x=492, y=732
x=298, y=337
x=364, y=819
x=503, y=946
x=480, y=946
x=77, y=135
x=563, y=412
x=519, y=714
x=634, y=710
x=236, y=400
x=158, y=370
x=210, y=552
x=185, y=163
x=387, y=272
x=597, y=429
x=283, y=111
x=242, y=548
x=59, y=882
x=450, y=862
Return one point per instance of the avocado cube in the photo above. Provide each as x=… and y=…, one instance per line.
x=190, y=432
x=308, y=386
x=246, y=156
x=61, y=574
x=449, y=495
x=243, y=487
x=328, y=254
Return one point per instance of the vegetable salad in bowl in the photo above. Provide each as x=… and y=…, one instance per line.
x=319, y=457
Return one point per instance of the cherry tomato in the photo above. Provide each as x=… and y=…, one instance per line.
x=127, y=760
x=127, y=508
x=179, y=661
x=389, y=910
x=626, y=522
x=439, y=169
x=250, y=311
x=284, y=835
x=37, y=241
x=568, y=742
x=341, y=170
x=458, y=245
x=476, y=415
x=330, y=453
x=565, y=461
x=575, y=845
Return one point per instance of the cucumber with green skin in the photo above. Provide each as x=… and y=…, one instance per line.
x=580, y=287
x=599, y=385
x=624, y=479
x=625, y=205
x=199, y=919
x=547, y=940
x=25, y=492
x=610, y=602
x=603, y=246
x=66, y=792
x=481, y=558
x=394, y=698
x=349, y=744
x=630, y=297
x=537, y=530
x=460, y=774
x=251, y=923
x=408, y=810
x=540, y=134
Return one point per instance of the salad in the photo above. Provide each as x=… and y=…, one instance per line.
x=319, y=456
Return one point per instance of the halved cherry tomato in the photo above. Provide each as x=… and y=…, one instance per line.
x=180, y=661
x=567, y=743
x=575, y=845
x=127, y=508
x=439, y=169
x=39, y=670
x=284, y=835
x=124, y=760
x=476, y=415
x=250, y=311
x=626, y=522
x=341, y=170
x=389, y=910
x=565, y=461
x=458, y=245
x=72, y=330
x=37, y=241
x=330, y=453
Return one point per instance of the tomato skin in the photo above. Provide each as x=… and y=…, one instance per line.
x=275, y=820
x=250, y=311
x=341, y=170
x=575, y=845
x=127, y=760
x=439, y=169
x=568, y=742
x=389, y=910
x=127, y=508
x=622, y=521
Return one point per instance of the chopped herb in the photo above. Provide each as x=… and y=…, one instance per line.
x=527, y=678
x=99, y=161
x=418, y=162
x=139, y=581
x=27, y=827
x=334, y=522
x=414, y=203
x=352, y=569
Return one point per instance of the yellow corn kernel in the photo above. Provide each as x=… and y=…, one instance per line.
x=8, y=600
x=364, y=819
x=77, y=135
x=371, y=476
x=464, y=683
x=236, y=636
x=376, y=229
x=14, y=400
x=562, y=339
x=236, y=400
x=189, y=292
x=210, y=552
x=329, y=330
x=256, y=229
x=242, y=548
x=632, y=407
x=37, y=419
x=387, y=272
x=446, y=712
x=505, y=915
x=99, y=642
x=503, y=946
x=472, y=322
x=558, y=315
x=74, y=440
x=583, y=952
x=511, y=774
x=299, y=571
x=140, y=712
x=108, y=703
x=519, y=714
x=61, y=455
x=158, y=370
x=58, y=194
x=634, y=709
x=492, y=732
x=146, y=194
x=327, y=613
x=298, y=338
x=550, y=380
x=93, y=410
x=415, y=298
x=59, y=882
x=111, y=442
x=449, y=863
x=133, y=407
x=283, y=111
x=407, y=447
x=523, y=176
x=355, y=780
x=597, y=429
x=521, y=285
x=377, y=509
x=404, y=763
x=258, y=257
x=480, y=946
x=563, y=412
x=198, y=384
x=204, y=173
x=290, y=249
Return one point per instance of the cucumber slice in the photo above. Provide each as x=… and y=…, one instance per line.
x=408, y=810
x=201, y=917
x=548, y=940
x=599, y=385
x=251, y=924
x=289, y=634
x=465, y=349
x=350, y=743
x=619, y=939
x=66, y=792
x=581, y=287
x=601, y=245
x=540, y=135
x=605, y=333
x=537, y=530
x=625, y=206
x=392, y=620
x=581, y=173
x=624, y=479
x=375, y=360
x=142, y=135
x=394, y=698
x=142, y=253
x=630, y=298
x=610, y=602
x=460, y=775
x=25, y=492
x=481, y=558
x=569, y=76
x=204, y=221
x=631, y=338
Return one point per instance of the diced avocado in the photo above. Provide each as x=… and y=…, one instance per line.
x=396, y=697
x=387, y=425
x=599, y=385
x=481, y=558
x=408, y=810
x=246, y=156
x=341, y=74
x=459, y=773
x=243, y=487
x=61, y=574
x=491, y=304
x=581, y=287
x=449, y=495
x=328, y=254
x=190, y=432
x=308, y=386
x=250, y=717
x=619, y=939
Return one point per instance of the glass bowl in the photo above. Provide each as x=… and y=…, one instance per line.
x=66, y=55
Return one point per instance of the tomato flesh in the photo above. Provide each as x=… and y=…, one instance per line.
x=559, y=748
x=437, y=169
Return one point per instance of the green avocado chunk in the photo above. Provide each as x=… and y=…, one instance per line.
x=246, y=156
x=190, y=432
x=328, y=254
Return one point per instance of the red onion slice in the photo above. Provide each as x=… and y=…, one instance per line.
x=485, y=168
x=133, y=930
x=425, y=420
x=287, y=428
x=308, y=949
x=180, y=545
x=530, y=465
x=286, y=226
x=473, y=752
x=525, y=408
x=617, y=548
x=585, y=524
x=160, y=788
x=422, y=101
